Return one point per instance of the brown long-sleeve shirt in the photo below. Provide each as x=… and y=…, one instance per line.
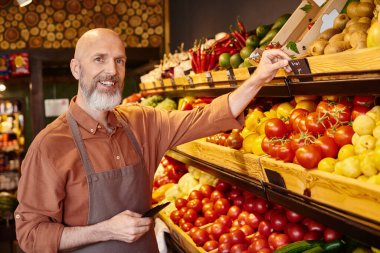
x=53, y=190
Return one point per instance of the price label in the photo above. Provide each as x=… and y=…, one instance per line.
x=300, y=66
x=320, y=2
x=275, y=178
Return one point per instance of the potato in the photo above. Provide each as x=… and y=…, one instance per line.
x=340, y=21
x=351, y=9
x=357, y=38
x=317, y=47
x=365, y=20
x=347, y=37
x=352, y=21
x=358, y=27
x=337, y=37
x=336, y=47
x=365, y=10
x=327, y=34
x=366, y=1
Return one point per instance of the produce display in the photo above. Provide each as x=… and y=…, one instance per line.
x=8, y=204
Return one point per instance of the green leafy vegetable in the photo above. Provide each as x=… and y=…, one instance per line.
x=292, y=46
x=307, y=7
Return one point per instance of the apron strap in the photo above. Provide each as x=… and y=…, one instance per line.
x=131, y=136
x=80, y=145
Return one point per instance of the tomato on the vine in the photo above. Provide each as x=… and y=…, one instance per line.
x=275, y=128
x=340, y=113
x=298, y=140
x=294, y=115
x=315, y=123
x=328, y=146
x=309, y=156
x=285, y=152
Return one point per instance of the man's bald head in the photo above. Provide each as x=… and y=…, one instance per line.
x=90, y=38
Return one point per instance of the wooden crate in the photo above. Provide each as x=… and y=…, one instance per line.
x=296, y=29
x=346, y=193
x=180, y=236
x=234, y=160
x=295, y=177
x=350, y=60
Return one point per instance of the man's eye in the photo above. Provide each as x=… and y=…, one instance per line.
x=120, y=61
x=99, y=59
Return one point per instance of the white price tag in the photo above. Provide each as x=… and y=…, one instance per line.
x=320, y=2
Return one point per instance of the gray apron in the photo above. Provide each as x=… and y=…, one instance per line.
x=114, y=191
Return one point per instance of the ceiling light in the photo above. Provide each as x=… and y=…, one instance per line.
x=23, y=3
x=2, y=87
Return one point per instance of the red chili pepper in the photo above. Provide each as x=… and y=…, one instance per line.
x=240, y=38
x=227, y=43
x=199, y=60
x=241, y=26
x=212, y=61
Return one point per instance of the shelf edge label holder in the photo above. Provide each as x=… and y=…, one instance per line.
x=210, y=81
x=231, y=78
x=190, y=81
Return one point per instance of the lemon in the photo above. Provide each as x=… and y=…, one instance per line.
x=355, y=139
x=245, y=132
x=256, y=148
x=363, y=178
x=364, y=125
x=351, y=167
x=376, y=132
x=248, y=142
x=346, y=151
x=368, y=166
x=365, y=143
x=327, y=164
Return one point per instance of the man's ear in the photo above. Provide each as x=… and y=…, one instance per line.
x=75, y=68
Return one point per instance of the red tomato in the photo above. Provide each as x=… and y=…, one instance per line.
x=239, y=201
x=233, y=194
x=257, y=245
x=239, y=248
x=265, y=143
x=265, y=250
x=278, y=221
x=300, y=139
x=274, y=148
x=206, y=200
x=293, y=216
x=279, y=241
x=195, y=204
x=225, y=238
x=366, y=101
x=207, y=206
x=200, y=237
x=175, y=216
x=330, y=132
x=323, y=107
x=183, y=210
x=186, y=226
x=316, y=123
x=331, y=235
x=328, y=146
x=206, y=190
x=295, y=113
x=200, y=221
x=224, y=219
x=217, y=229
x=234, y=212
x=359, y=110
x=253, y=219
x=190, y=216
x=192, y=231
x=195, y=194
x=313, y=235
x=341, y=112
x=238, y=237
x=313, y=225
x=275, y=128
x=247, y=230
x=222, y=186
x=210, y=215
x=295, y=231
x=260, y=205
x=224, y=247
x=221, y=206
x=285, y=152
x=343, y=135
x=309, y=156
x=210, y=245
x=248, y=205
x=180, y=202
x=265, y=228
x=215, y=195
x=181, y=222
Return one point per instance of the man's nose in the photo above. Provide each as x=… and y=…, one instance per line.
x=111, y=68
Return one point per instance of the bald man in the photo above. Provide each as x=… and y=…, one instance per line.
x=87, y=177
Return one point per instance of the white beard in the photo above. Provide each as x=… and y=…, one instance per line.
x=101, y=101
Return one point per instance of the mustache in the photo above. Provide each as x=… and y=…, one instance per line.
x=107, y=78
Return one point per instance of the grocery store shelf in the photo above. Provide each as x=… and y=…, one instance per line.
x=355, y=226
x=247, y=183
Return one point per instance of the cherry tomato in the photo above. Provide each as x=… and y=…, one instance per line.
x=313, y=235
x=260, y=205
x=210, y=245
x=239, y=248
x=331, y=235
x=217, y=229
x=215, y=195
x=210, y=215
x=224, y=219
x=195, y=204
x=224, y=247
x=206, y=190
x=278, y=221
x=343, y=135
x=265, y=228
x=293, y=216
x=200, y=237
x=309, y=156
x=190, y=216
x=279, y=241
x=186, y=226
x=175, y=216
x=180, y=202
x=207, y=206
x=195, y=194
x=227, y=237
x=253, y=220
x=275, y=128
x=238, y=237
x=221, y=206
x=328, y=146
x=257, y=245
x=248, y=205
x=222, y=186
x=295, y=231
x=234, y=212
x=239, y=201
